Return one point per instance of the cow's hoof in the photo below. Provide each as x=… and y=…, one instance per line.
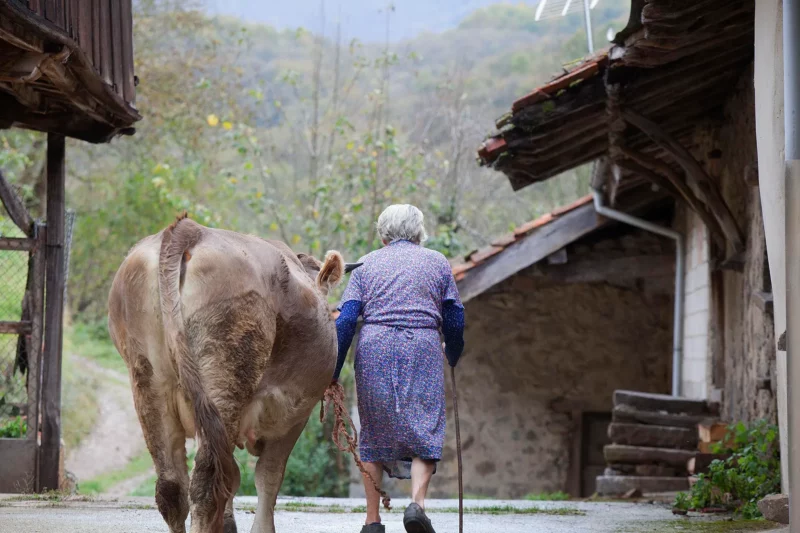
x=230, y=525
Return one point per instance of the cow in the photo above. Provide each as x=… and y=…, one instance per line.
x=228, y=339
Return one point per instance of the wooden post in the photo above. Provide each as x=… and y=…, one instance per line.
x=54, y=301
x=575, y=473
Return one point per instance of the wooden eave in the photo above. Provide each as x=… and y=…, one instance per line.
x=677, y=62
x=48, y=83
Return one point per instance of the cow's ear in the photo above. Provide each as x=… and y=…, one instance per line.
x=332, y=271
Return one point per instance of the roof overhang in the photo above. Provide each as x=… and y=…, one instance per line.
x=675, y=62
x=539, y=239
x=49, y=83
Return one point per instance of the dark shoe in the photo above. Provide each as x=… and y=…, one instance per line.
x=373, y=528
x=416, y=521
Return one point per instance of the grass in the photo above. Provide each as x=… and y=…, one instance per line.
x=80, y=407
x=146, y=488
x=92, y=341
x=507, y=509
x=491, y=510
x=13, y=275
x=548, y=497
x=103, y=482
x=702, y=526
x=138, y=507
x=51, y=496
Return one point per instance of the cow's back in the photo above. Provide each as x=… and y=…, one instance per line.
x=225, y=275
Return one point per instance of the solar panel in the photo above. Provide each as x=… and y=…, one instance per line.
x=548, y=9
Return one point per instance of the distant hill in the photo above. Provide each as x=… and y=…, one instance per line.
x=365, y=19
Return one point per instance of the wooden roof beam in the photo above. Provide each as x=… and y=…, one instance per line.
x=706, y=188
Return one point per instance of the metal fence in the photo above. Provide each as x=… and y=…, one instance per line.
x=13, y=278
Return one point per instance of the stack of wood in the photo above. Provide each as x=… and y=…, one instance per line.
x=709, y=433
x=653, y=439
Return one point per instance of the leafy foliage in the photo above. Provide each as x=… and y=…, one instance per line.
x=14, y=428
x=751, y=472
x=303, y=138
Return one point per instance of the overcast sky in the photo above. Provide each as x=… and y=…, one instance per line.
x=363, y=19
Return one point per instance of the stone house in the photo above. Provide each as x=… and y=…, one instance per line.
x=671, y=104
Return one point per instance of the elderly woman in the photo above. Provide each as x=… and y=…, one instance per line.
x=406, y=294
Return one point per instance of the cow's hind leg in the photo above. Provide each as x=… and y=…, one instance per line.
x=166, y=441
x=270, y=469
x=232, y=342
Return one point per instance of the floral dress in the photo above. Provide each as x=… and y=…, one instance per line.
x=406, y=294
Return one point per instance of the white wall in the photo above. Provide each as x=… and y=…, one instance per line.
x=768, y=74
x=695, y=377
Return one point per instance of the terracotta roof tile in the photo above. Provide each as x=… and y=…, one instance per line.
x=492, y=148
x=485, y=253
x=582, y=72
x=533, y=224
x=505, y=240
x=474, y=258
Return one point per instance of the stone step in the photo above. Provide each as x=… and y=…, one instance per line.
x=646, y=401
x=644, y=470
x=627, y=414
x=653, y=436
x=618, y=485
x=618, y=453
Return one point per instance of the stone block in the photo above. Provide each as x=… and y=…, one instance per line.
x=618, y=485
x=623, y=413
x=653, y=436
x=660, y=402
x=616, y=453
x=775, y=508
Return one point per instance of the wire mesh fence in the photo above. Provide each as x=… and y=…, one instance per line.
x=13, y=389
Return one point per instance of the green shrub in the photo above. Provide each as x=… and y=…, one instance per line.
x=14, y=428
x=315, y=467
x=751, y=472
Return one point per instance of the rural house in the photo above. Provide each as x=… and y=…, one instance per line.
x=670, y=104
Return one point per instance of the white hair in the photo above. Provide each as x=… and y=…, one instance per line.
x=402, y=222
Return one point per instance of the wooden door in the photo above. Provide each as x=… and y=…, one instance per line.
x=594, y=437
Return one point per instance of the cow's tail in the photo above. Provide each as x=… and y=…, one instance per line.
x=177, y=239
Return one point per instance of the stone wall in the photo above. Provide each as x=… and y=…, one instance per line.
x=538, y=349
x=743, y=356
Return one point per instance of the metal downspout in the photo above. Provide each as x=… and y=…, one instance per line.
x=677, y=330
x=791, y=114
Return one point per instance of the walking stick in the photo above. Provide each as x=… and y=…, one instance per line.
x=458, y=455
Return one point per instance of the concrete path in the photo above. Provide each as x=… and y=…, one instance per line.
x=310, y=515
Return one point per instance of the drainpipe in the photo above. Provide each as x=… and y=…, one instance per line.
x=677, y=329
x=791, y=114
